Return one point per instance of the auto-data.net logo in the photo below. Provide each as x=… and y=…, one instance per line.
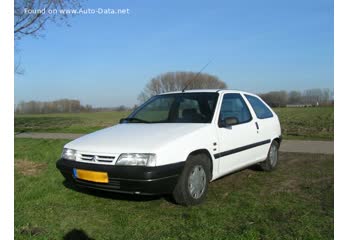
x=80, y=11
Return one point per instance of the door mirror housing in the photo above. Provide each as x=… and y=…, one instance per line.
x=122, y=120
x=229, y=121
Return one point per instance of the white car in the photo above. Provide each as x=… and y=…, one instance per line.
x=176, y=143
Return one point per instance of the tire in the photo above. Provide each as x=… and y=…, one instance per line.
x=272, y=158
x=192, y=186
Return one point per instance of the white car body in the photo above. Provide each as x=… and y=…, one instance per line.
x=174, y=142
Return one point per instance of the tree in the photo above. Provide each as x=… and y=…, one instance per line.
x=276, y=98
x=176, y=81
x=62, y=105
x=121, y=108
x=31, y=15
x=309, y=96
x=294, y=97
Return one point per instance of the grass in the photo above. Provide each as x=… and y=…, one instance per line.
x=297, y=123
x=293, y=202
x=67, y=122
x=315, y=123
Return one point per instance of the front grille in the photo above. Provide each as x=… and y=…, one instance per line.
x=87, y=157
x=96, y=158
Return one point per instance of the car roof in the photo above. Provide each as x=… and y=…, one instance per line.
x=209, y=91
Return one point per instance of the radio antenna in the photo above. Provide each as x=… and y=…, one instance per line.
x=191, y=80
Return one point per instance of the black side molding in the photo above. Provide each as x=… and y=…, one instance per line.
x=240, y=149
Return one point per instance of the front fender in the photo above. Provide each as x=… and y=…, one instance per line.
x=179, y=149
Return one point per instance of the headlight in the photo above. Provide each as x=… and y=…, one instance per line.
x=137, y=159
x=69, y=154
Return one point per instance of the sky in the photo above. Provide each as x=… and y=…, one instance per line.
x=106, y=60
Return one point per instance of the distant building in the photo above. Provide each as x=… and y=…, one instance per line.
x=301, y=105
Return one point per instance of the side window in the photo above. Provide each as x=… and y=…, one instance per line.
x=259, y=107
x=233, y=105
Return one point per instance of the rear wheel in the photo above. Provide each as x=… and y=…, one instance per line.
x=192, y=186
x=272, y=158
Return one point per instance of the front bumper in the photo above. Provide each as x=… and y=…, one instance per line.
x=126, y=179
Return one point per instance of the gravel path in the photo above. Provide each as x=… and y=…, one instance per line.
x=297, y=146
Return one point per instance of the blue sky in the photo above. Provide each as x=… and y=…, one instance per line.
x=106, y=60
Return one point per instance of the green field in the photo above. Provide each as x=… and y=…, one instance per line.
x=314, y=123
x=297, y=123
x=293, y=202
x=67, y=122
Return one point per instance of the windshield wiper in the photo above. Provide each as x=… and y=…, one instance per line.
x=133, y=119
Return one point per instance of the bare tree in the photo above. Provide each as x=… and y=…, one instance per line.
x=294, y=97
x=62, y=105
x=176, y=81
x=18, y=68
x=31, y=15
x=275, y=98
x=317, y=96
x=308, y=97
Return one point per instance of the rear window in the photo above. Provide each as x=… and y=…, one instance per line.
x=260, y=109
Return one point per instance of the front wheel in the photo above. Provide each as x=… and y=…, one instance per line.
x=272, y=158
x=192, y=185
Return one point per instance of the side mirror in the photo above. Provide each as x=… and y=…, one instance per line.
x=229, y=121
x=122, y=120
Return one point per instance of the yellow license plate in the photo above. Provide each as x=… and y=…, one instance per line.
x=100, y=177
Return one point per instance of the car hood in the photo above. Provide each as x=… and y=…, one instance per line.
x=133, y=137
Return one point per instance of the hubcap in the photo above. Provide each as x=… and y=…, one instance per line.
x=197, y=181
x=273, y=155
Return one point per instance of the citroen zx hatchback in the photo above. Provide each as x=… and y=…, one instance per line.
x=176, y=143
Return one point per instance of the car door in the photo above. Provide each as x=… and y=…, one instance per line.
x=235, y=142
x=265, y=122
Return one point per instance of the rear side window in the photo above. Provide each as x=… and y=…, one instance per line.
x=260, y=109
x=233, y=105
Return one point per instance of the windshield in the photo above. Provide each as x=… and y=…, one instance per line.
x=176, y=108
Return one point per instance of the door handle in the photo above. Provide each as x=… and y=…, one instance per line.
x=257, y=125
